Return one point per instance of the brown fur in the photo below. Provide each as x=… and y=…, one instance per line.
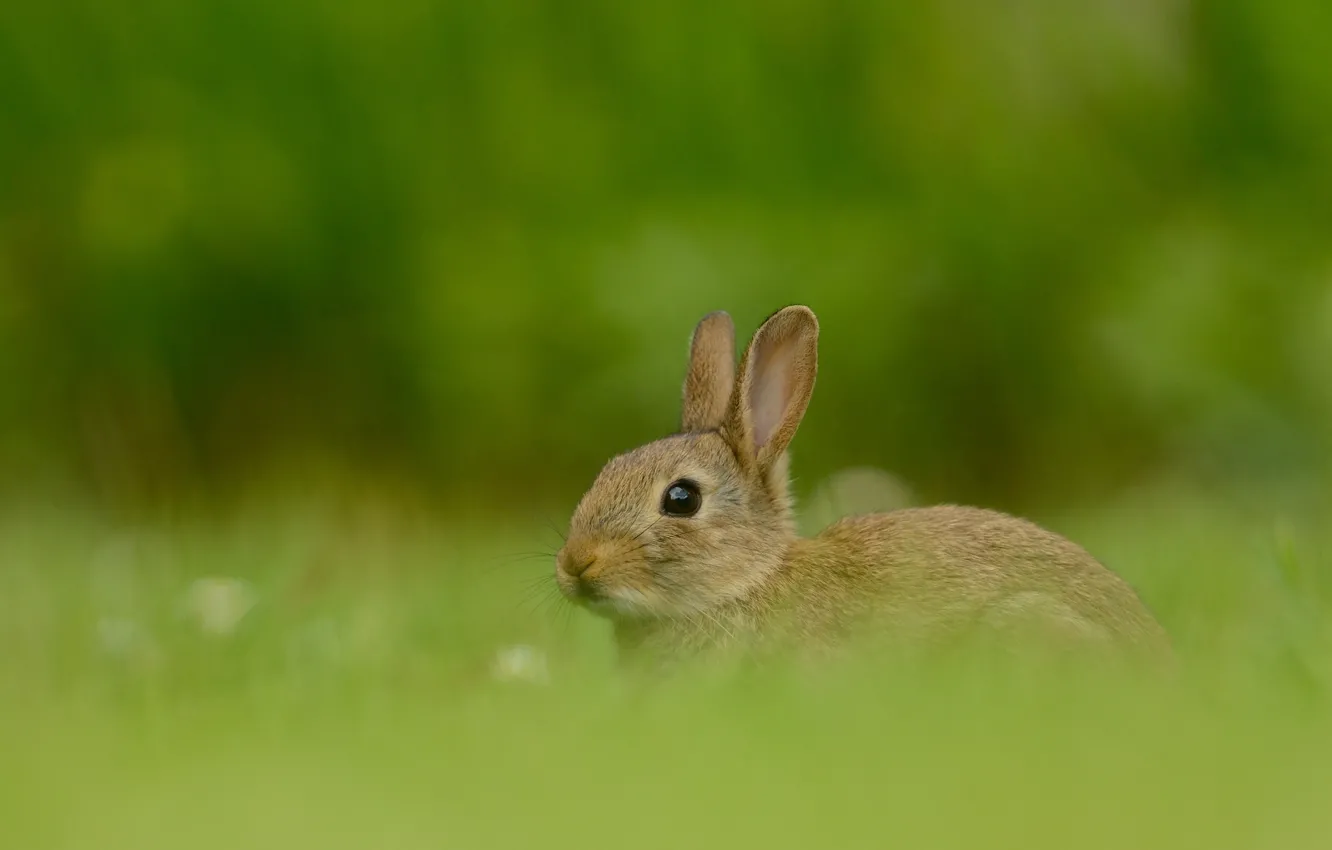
x=711, y=375
x=736, y=575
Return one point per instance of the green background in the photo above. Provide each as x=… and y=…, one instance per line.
x=1056, y=248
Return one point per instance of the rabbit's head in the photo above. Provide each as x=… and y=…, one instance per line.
x=702, y=517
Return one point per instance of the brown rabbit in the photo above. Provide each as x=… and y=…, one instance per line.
x=689, y=543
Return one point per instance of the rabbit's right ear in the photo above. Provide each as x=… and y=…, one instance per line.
x=711, y=376
x=774, y=387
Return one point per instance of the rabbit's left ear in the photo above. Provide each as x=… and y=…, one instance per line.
x=711, y=376
x=775, y=384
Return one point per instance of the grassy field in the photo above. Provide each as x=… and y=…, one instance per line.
x=348, y=678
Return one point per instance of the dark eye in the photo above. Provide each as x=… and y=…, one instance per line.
x=681, y=499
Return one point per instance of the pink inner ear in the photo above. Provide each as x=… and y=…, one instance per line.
x=770, y=390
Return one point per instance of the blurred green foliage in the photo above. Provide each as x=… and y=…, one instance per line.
x=1056, y=247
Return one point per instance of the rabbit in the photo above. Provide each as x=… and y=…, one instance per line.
x=689, y=545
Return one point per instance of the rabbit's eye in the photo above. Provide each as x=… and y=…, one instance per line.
x=681, y=499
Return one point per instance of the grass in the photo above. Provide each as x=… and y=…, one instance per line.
x=357, y=703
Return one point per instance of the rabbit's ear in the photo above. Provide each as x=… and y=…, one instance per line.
x=711, y=377
x=775, y=384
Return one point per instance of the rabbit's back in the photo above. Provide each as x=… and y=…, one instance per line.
x=939, y=571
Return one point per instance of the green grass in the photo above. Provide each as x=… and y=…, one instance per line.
x=355, y=704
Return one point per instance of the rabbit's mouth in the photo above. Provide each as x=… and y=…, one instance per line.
x=584, y=592
x=589, y=593
x=612, y=603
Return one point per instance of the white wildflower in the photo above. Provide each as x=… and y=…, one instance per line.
x=520, y=663
x=218, y=604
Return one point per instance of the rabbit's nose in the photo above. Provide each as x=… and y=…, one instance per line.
x=574, y=561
